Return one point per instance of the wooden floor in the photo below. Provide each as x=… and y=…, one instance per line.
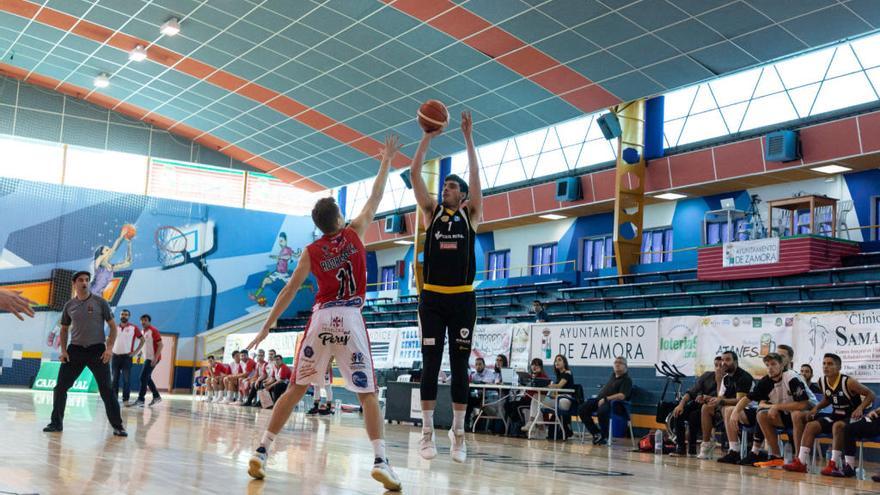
x=184, y=446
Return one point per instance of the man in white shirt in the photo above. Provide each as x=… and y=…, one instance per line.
x=129, y=342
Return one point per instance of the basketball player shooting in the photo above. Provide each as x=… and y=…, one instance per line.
x=336, y=329
x=447, y=303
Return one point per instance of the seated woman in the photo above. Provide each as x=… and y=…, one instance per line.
x=555, y=401
x=522, y=409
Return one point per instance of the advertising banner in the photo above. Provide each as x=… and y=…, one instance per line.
x=490, y=341
x=678, y=342
x=284, y=343
x=520, y=346
x=749, y=253
x=383, y=345
x=597, y=343
x=852, y=335
x=47, y=376
x=751, y=336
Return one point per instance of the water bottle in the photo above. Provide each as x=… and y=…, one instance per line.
x=658, y=442
x=787, y=453
x=337, y=406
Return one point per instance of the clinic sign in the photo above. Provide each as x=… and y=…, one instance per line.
x=597, y=343
x=852, y=335
x=750, y=253
x=47, y=377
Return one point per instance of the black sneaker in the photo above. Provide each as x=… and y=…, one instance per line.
x=599, y=439
x=751, y=458
x=876, y=478
x=53, y=428
x=692, y=450
x=731, y=457
x=325, y=411
x=120, y=432
x=313, y=411
x=155, y=401
x=135, y=403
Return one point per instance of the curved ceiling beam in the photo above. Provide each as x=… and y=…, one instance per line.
x=183, y=130
x=204, y=72
x=510, y=51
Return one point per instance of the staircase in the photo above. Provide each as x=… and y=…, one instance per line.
x=215, y=339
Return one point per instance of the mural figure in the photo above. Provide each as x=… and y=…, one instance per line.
x=102, y=265
x=282, y=268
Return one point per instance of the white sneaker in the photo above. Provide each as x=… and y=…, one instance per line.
x=706, y=449
x=257, y=465
x=528, y=425
x=383, y=473
x=427, y=447
x=458, y=449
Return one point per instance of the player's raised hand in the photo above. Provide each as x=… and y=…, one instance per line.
x=390, y=148
x=16, y=304
x=467, y=123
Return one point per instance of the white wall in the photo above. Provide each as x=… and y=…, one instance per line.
x=518, y=240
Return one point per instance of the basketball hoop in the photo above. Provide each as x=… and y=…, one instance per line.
x=170, y=245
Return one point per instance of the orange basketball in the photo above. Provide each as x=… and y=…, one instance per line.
x=128, y=231
x=433, y=115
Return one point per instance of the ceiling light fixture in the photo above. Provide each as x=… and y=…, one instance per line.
x=403, y=242
x=171, y=27
x=552, y=216
x=138, y=54
x=670, y=196
x=831, y=169
x=102, y=81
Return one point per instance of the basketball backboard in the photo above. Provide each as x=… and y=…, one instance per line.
x=196, y=239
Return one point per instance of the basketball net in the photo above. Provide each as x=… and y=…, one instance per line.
x=170, y=244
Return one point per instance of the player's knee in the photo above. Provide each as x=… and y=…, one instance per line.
x=838, y=427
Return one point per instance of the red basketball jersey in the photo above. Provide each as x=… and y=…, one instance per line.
x=339, y=263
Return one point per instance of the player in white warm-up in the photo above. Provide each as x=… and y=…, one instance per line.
x=338, y=261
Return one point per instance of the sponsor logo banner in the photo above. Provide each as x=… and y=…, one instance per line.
x=751, y=336
x=597, y=343
x=852, y=335
x=749, y=253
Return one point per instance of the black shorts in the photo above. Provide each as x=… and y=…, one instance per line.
x=455, y=314
x=826, y=421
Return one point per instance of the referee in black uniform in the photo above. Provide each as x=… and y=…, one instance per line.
x=447, y=303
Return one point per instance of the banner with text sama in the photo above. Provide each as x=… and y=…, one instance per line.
x=597, y=343
x=852, y=335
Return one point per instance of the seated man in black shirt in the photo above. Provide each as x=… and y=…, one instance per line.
x=689, y=410
x=735, y=384
x=619, y=387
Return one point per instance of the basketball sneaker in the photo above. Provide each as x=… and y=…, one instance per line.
x=383, y=473
x=752, y=458
x=458, y=449
x=834, y=471
x=706, y=450
x=313, y=411
x=155, y=401
x=795, y=466
x=257, y=464
x=731, y=457
x=427, y=447
x=771, y=462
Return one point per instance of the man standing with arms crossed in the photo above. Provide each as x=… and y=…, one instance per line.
x=128, y=343
x=84, y=317
x=447, y=303
x=336, y=329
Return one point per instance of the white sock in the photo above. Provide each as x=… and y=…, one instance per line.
x=850, y=460
x=267, y=440
x=756, y=449
x=734, y=446
x=427, y=420
x=804, y=454
x=378, y=448
x=837, y=457
x=458, y=421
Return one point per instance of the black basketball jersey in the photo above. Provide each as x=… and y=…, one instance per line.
x=449, y=249
x=842, y=403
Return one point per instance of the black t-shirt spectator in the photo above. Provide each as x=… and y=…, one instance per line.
x=569, y=379
x=705, y=385
x=617, y=385
x=540, y=315
x=740, y=382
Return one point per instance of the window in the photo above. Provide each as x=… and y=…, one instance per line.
x=498, y=265
x=108, y=170
x=31, y=160
x=543, y=259
x=657, y=245
x=598, y=253
x=389, y=278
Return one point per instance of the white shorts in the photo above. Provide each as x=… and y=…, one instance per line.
x=336, y=332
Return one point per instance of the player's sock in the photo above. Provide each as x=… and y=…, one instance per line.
x=458, y=421
x=267, y=440
x=837, y=457
x=804, y=454
x=756, y=448
x=427, y=420
x=850, y=460
x=378, y=448
x=734, y=446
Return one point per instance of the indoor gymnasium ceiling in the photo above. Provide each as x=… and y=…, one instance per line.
x=312, y=86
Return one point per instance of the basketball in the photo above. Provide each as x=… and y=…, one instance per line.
x=128, y=231
x=433, y=115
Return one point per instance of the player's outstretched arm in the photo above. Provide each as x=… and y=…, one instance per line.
x=285, y=297
x=420, y=190
x=386, y=155
x=475, y=192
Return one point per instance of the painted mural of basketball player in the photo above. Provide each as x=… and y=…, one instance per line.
x=104, y=267
x=282, y=267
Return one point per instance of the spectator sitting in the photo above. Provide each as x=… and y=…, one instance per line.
x=480, y=375
x=689, y=410
x=500, y=364
x=540, y=312
x=807, y=373
x=619, y=387
x=556, y=401
x=524, y=408
x=280, y=380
